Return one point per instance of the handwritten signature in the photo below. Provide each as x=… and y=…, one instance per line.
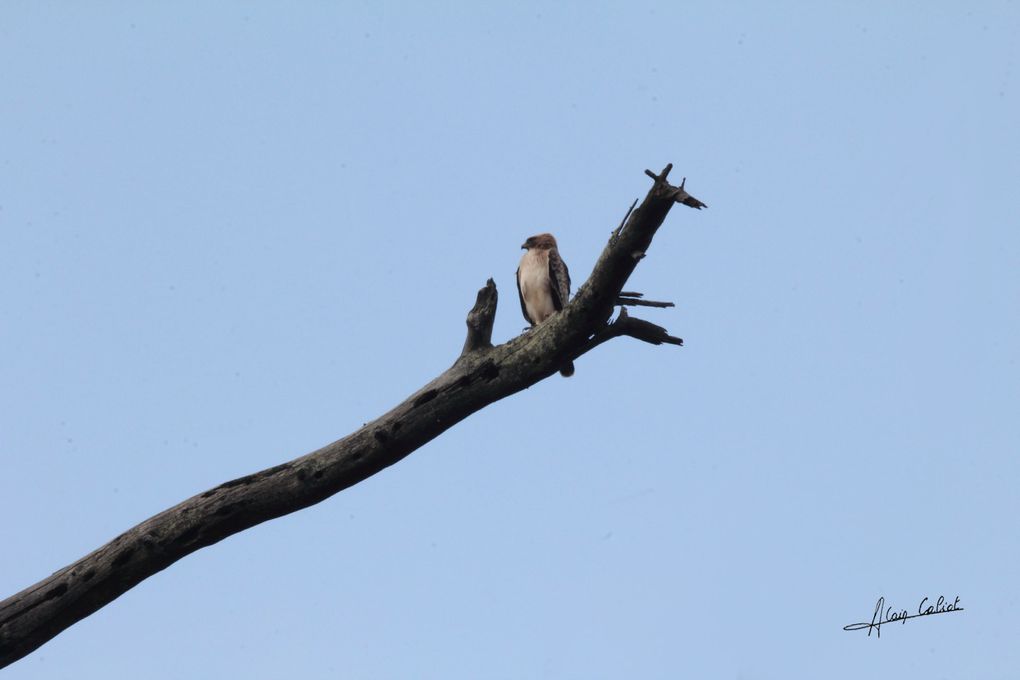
x=941, y=606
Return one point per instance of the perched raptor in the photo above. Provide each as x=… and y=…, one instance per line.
x=543, y=283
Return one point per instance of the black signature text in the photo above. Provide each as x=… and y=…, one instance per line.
x=885, y=614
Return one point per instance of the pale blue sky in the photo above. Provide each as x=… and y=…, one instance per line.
x=232, y=233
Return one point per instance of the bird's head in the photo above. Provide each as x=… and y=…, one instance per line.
x=540, y=242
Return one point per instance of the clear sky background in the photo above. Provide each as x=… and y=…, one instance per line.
x=231, y=233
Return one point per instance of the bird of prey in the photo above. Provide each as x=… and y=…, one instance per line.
x=543, y=283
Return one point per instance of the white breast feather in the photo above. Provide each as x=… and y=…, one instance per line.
x=534, y=280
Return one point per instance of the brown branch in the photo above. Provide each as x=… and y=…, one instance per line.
x=481, y=375
x=679, y=194
x=616, y=231
x=643, y=330
x=635, y=302
x=625, y=324
x=480, y=319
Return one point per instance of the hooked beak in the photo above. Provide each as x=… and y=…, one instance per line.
x=524, y=246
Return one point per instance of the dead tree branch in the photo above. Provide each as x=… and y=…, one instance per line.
x=480, y=376
x=634, y=300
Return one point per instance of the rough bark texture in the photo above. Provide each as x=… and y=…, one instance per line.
x=481, y=375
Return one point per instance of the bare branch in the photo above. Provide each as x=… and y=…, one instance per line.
x=681, y=196
x=634, y=302
x=643, y=330
x=480, y=319
x=616, y=232
x=481, y=375
x=633, y=327
x=661, y=177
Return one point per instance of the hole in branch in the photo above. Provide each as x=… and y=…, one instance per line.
x=425, y=398
x=56, y=592
x=123, y=558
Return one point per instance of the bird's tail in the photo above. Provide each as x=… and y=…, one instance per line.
x=567, y=370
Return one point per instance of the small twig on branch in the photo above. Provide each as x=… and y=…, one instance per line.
x=661, y=177
x=633, y=302
x=643, y=330
x=681, y=196
x=625, y=324
x=616, y=232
